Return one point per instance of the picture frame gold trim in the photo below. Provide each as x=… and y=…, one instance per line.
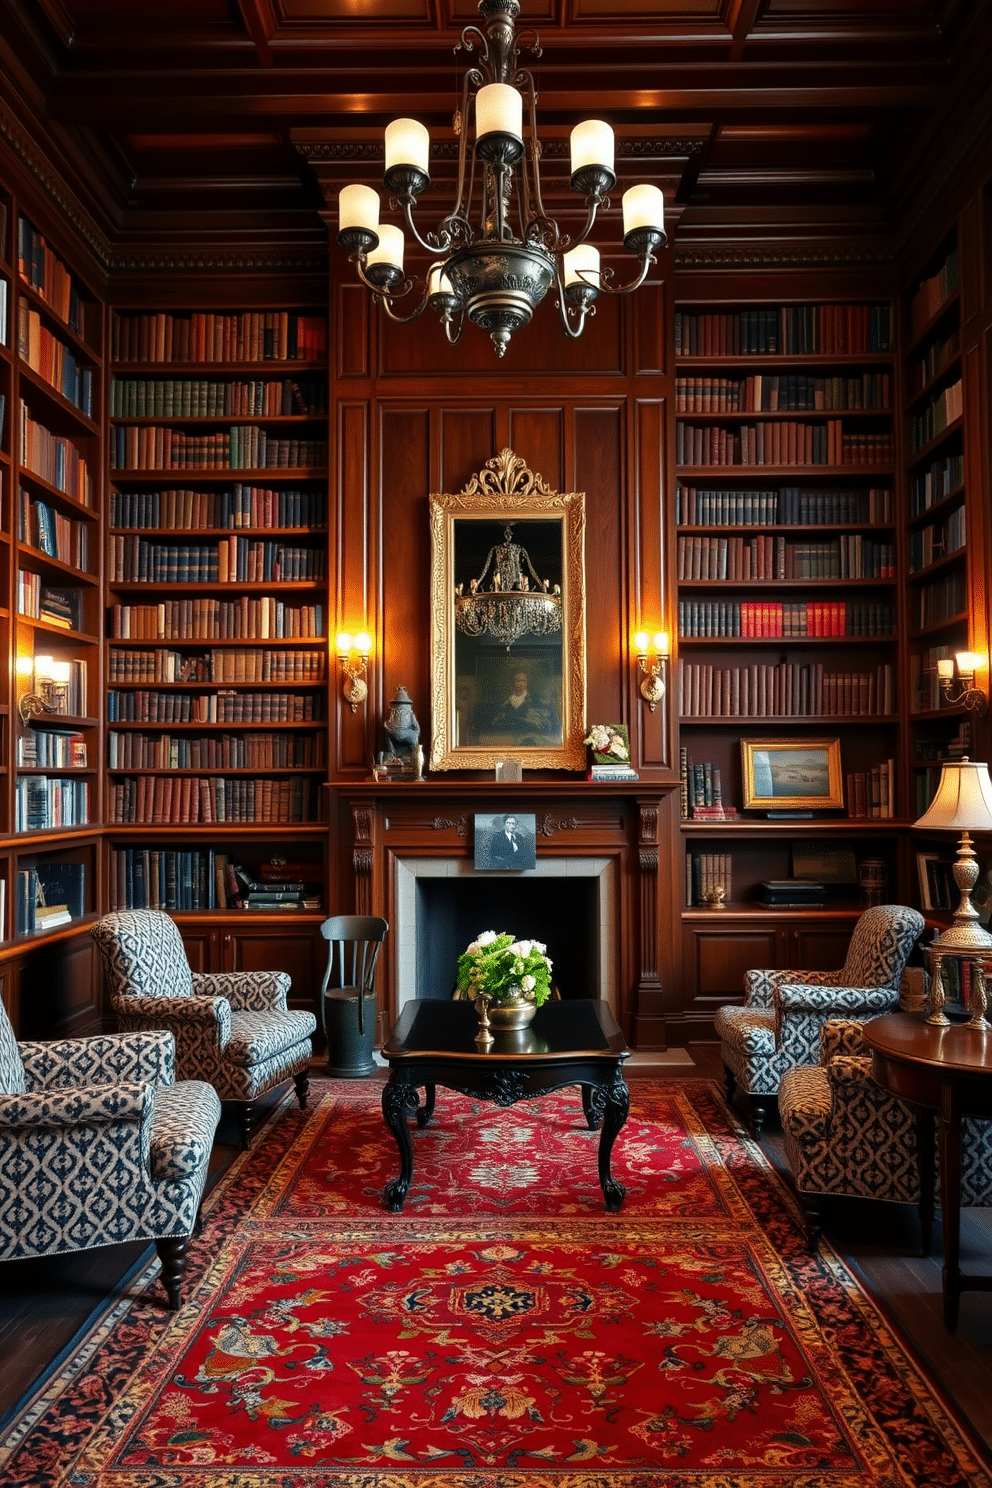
x=813, y=761
x=506, y=490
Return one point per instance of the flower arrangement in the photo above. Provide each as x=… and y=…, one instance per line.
x=500, y=969
x=609, y=742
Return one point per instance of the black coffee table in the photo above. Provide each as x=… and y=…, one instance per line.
x=572, y=1042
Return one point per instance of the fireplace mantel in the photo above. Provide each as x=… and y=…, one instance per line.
x=380, y=823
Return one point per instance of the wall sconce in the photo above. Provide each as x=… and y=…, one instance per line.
x=355, y=688
x=968, y=664
x=653, y=683
x=51, y=686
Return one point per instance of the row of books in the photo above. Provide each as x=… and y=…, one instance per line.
x=278, y=751
x=54, y=361
x=65, y=698
x=787, y=506
x=850, y=556
x=788, y=619
x=240, y=506
x=871, y=794
x=934, y=418
x=48, y=895
x=700, y=783
x=791, y=392
x=55, y=459
x=38, y=601
x=790, y=330
x=786, y=443
x=705, y=872
x=50, y=802
x=932, y=360
x=939, y=599
x=39, y=266
x=4, y=292
x=230, y=665
x=51, y=749
x=185, y=880
x=195, y=798
x=261, y=619
x=226, y=560
x=934, y=292
x=252, y=336
x=784, y=690
x=938, y=480
x=44, y=527
x=243, y=447
x=939, y=541
x=206, y=397
x=213, y=707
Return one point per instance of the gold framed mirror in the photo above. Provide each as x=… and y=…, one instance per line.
x=508, y=653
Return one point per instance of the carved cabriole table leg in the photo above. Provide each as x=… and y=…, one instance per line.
x=397, y=1099
x=616, y=1104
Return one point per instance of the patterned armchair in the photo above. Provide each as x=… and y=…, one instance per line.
x=232, y=1029
x=779, y=1024
x=98, y=1146
x=844, y=1134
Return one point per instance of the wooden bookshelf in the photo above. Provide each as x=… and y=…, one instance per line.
x=216, y=624
x=788, y=569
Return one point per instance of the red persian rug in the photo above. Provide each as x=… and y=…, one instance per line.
x=504, y=1331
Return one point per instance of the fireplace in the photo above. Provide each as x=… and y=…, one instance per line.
x=441, y=904
x=407, y=853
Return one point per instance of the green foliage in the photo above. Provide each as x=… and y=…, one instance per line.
x=501, y=969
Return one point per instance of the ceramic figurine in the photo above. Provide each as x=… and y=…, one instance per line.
x=401, y=726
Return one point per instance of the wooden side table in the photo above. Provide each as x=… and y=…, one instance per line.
x=945, y=1071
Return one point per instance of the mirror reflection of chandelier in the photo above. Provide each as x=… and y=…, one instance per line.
x=517, y=601
x=493, y=274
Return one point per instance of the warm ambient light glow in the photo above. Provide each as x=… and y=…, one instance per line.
x=969, y=662
x=496, y=270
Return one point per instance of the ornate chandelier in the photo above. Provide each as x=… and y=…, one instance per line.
x=493, y=274
x=508, y=608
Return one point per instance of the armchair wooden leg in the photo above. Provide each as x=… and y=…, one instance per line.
x=245, y=1123
x=759, y=1105
x=172, y=1254
x=302, y=1083
x=812, y=1220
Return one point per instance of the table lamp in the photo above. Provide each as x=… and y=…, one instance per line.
x=963, y=802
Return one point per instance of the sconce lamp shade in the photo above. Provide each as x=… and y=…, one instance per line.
x=963, y=800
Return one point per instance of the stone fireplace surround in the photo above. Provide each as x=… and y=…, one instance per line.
x=400, y=839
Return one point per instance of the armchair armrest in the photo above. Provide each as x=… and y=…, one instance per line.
x=247, y=991
x=845, y=1001
x=850, y=1070
x=107, y=1059
x=86, y=1106
x=760, y=986
x=841, y=1036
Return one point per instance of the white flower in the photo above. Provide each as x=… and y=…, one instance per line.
x=528, y=983
x=473, y=949
x=486, y=938
x=521, y=948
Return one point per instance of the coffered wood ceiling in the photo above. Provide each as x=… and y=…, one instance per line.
x=212, y=120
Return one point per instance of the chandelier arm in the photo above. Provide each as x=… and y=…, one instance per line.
x=393, y=315
x=534, y=205
x=384, y=296
x=453, y=337
x=471, y=35
x=437, y=242
x=593, y=204
x=473, y=78
x=605, y=287
x=580, y=311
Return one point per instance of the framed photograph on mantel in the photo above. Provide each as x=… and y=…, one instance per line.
x=792, y=774
x=508, y=659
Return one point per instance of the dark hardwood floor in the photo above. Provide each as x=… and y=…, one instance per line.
x=45, y=1303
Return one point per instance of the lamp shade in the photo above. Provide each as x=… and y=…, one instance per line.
x=407, y=143
x=963, y=800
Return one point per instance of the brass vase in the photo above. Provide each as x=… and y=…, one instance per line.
x=502, y=1017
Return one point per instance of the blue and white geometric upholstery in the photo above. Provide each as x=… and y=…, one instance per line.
x=231, y=1028
x=844, y=1134
x=98, y=1146
x=779, y=1024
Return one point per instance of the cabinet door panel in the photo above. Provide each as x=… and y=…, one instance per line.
x=718, y=959
x=818, y=947
x=201, y=948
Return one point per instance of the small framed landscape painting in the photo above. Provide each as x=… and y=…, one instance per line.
x=792, y=774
